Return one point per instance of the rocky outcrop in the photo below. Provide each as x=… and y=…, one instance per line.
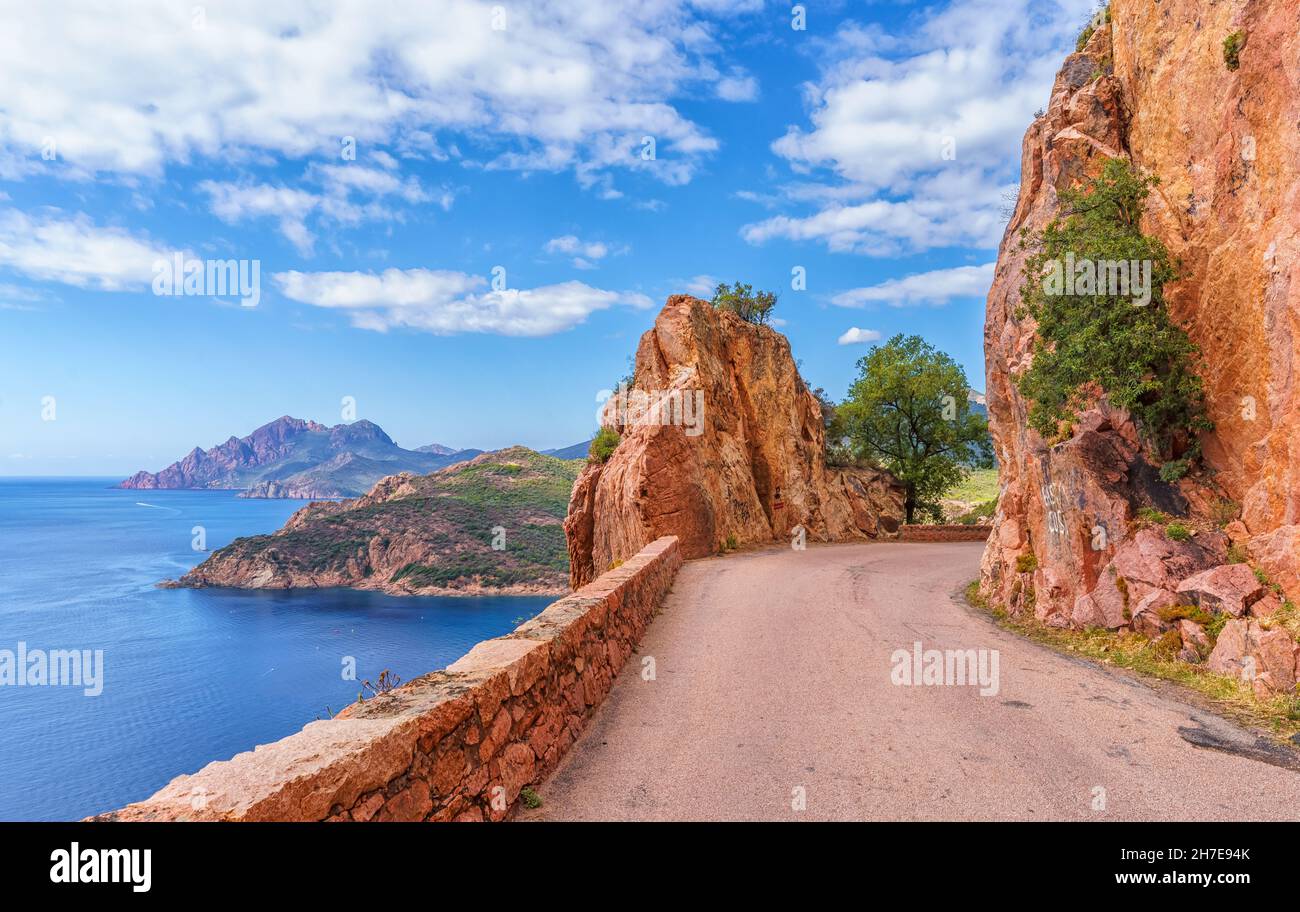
x=454, y=745
x=489, y=525
x=1069, y=541
x=722, y=444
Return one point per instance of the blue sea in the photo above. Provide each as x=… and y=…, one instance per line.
x=189, y=676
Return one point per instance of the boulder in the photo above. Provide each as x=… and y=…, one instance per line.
x=1266, y=658
x=1228, y=588
x=1146, y=616
x=1194, y=638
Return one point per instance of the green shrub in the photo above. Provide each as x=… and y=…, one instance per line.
x=981, y=511
x=529, y=797
x=1232, y=46
x=1237, y=554
x=1178, y=532
x=1084, y=37
x=1153, y=516
x=1097, y=342
x=1224, y=511
x=1026, y=563
x=603, y=445
x=744, y=303
x=1171, y=613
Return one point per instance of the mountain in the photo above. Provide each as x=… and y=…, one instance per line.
x=294, y=458
x=420, y=534
x=1084, y=534
x=575, y=451
x=438, y=449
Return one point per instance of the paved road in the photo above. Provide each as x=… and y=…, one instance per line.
x=773, y=675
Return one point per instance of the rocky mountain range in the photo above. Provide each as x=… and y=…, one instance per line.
x=297, y=458
x=490, y=524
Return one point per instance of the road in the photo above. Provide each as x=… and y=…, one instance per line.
x=772, y=699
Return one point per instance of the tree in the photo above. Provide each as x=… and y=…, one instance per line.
x=1094, y=337
x=909, y=412
x=741, y=300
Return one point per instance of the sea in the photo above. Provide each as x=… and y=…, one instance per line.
x=187, y=676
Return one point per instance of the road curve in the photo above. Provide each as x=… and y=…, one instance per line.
x=772, y=682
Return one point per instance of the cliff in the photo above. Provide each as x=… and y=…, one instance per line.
x=1077, y=537
x=295, y=458
x=722, y=443
x=419, y=534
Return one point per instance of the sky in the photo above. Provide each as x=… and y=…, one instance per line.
x=463, y=215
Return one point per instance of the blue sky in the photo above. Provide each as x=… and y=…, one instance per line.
x=873, y=148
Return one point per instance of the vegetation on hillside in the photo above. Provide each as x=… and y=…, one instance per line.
x=908, y=411
x=603, y=445
x=1232, y=46
x=1104, y=342
x=448, y=521
x=744, y=302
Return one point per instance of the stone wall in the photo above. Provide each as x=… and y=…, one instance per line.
x=950, y=533
x=458, y=744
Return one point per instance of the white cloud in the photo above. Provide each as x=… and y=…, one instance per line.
x=739, y=86
x=333, y=202
x=702, y=286
x=586, y=254
x=855, y=336
x=934, y=288
x=921, y=135
x=561, y=86
x=75, y=251
x=445, y=302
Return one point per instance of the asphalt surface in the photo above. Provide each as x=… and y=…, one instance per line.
x=773, y=698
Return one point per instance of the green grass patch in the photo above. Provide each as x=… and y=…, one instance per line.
x=979, y=486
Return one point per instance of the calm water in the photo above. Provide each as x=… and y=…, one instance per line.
x=189, y=676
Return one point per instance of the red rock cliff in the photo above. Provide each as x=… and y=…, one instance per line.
x=735, y=448
x=1153, y=86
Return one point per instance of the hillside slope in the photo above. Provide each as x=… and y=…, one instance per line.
x=420, y=534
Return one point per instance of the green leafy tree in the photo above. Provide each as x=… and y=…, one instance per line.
x=742, y=301
x=908, y=411
x=1103, y=341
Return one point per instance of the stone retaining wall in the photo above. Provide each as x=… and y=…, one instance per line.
x=457, y=744
x=951, y=533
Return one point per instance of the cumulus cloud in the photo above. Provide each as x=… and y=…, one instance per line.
x=446, y=302
x=739, y=86
x=918, y=137
x=339, y=194
x=73, y=250
x=855, y=336
x=934, y=288
x=549, y=86
x=586, y=254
